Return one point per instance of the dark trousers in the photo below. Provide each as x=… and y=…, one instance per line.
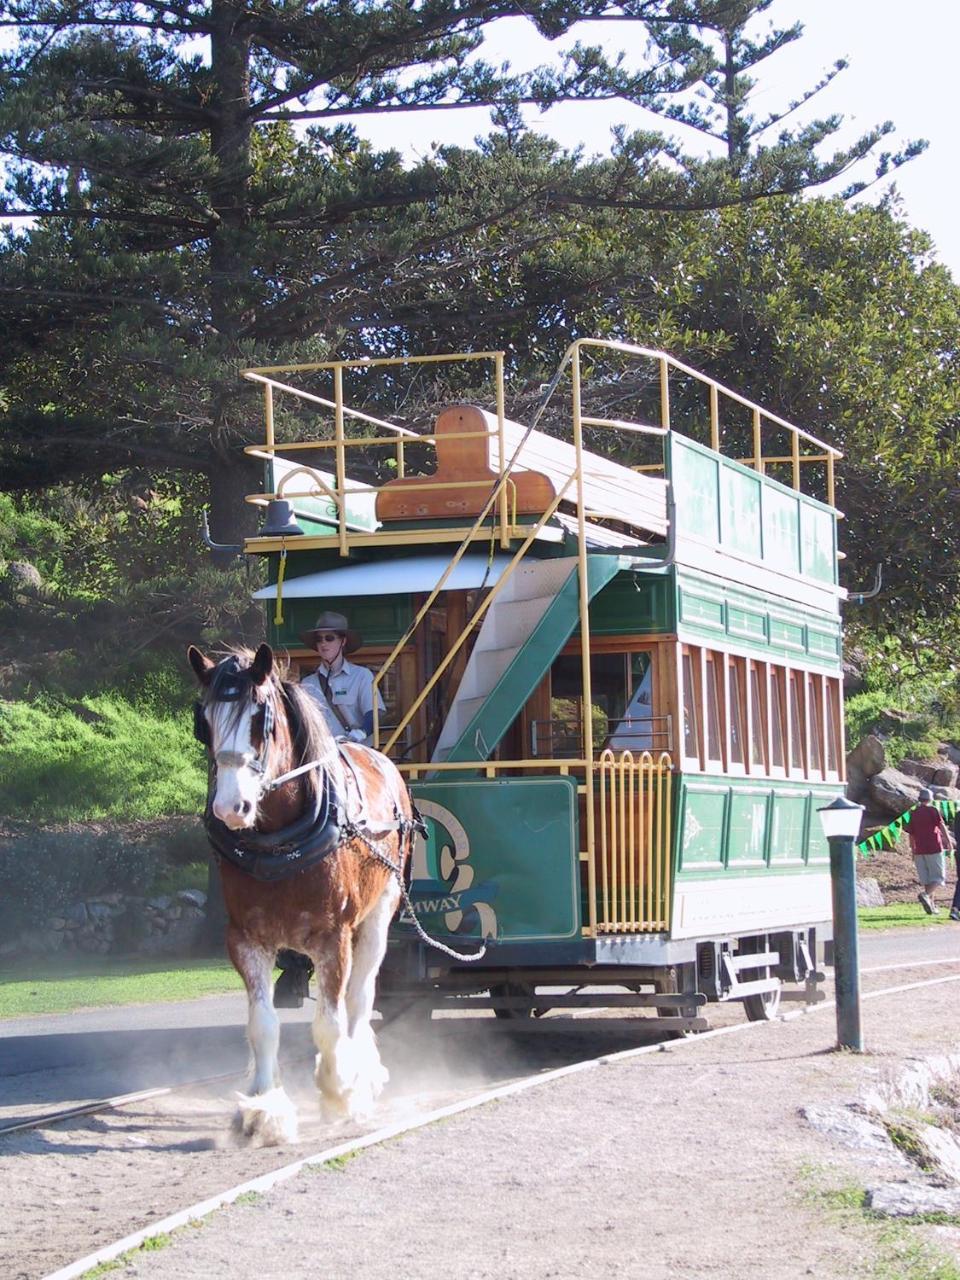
x=955, y=904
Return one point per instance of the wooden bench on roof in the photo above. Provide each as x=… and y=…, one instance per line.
x=468, y=468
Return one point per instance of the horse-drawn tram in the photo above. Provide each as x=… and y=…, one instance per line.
x=609, y=650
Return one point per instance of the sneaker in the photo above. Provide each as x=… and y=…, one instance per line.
x=954, y=914
x=924, y=900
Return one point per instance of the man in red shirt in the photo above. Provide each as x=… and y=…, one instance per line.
x=929, y=840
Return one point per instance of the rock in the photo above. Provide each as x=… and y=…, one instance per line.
x=173, y=913
x=943, y=1147
x=194, y=896
x=9, y=947
x=56, y=922
x=22, y=576
x=181, y=938
x=951, y=751
x=868, y=892
x=910, y=1200
x=867, y=758
x=854, y=662
x=892, y=792
x=933, y=775
x=76, y=915
x=98, y=911
x=159, y=904
x=851, y=1129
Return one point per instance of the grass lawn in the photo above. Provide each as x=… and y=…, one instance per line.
x=898, y=915
x=51, y=985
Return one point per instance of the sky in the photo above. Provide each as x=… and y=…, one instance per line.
x=903, y=67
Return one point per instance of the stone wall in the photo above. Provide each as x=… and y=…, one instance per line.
x=119, y=924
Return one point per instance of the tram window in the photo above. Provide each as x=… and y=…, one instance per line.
x=777, y=718
x=634, y=729
x=621, y=710
x=711, y=710
x=757, y=721
x=815, y=720
x=796, y=721
x=737, y=755
x=832, y=727
x=691, y=728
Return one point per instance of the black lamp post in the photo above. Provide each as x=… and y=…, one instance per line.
x=841, y=826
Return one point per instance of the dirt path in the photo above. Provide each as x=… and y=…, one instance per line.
x=685, y=1163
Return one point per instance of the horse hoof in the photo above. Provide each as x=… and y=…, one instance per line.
x=266, y=1119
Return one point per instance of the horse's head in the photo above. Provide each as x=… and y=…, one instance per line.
x=236, y=719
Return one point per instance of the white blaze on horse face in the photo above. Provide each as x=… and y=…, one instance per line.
x=238, y=782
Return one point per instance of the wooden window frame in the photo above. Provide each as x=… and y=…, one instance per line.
x=714, y=663
x=833, y=708
x=776, y=689
x=756, y=671
x=816, y=767
x=795, y=678
x=692, y=652
x=735, y=768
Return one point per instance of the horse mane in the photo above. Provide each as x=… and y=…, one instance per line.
x=312, y=739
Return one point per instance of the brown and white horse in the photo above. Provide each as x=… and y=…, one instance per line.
x=300, y=860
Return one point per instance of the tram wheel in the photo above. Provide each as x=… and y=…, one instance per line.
x=765, y=1006
x=514, y=989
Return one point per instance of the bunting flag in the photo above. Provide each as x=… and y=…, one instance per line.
x=887, y=837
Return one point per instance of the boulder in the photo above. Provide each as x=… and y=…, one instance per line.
x=911, y=1199
x=866, y=759
x=196, y=897
x=868, y=892
x=891, y=791
x=951, y=751
x=933, y=775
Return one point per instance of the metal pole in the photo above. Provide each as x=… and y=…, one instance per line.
x=846, y=946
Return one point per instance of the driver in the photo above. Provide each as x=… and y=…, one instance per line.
x=343, y=689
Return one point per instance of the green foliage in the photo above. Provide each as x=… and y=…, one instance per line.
x=912, y=688
x=100, y=757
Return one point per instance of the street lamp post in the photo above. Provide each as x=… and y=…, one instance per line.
x=841, y=826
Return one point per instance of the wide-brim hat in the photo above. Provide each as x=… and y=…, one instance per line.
x=332, y=622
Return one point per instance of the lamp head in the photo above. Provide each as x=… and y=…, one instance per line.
x=840, y=819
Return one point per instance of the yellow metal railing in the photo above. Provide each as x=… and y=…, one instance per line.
x=634, y=798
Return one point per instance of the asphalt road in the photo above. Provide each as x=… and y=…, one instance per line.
x=63, y=1059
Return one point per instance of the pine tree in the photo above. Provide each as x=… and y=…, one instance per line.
x=198, y=201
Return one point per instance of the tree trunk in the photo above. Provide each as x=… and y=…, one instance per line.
x=231, y=518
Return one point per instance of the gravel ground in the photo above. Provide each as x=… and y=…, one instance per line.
x=691, y=1162
x=686, y=1163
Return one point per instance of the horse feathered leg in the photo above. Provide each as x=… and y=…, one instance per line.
x=266, y=1113
x=336, y=1063
x=369, y=946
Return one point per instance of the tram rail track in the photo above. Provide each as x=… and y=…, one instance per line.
x=47, y=1119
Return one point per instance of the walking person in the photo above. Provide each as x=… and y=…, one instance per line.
x=955, y=905
x=929, y=839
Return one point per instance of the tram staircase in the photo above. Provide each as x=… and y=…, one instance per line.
x=522, y=633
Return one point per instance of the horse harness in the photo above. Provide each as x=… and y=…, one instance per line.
x=277, y=855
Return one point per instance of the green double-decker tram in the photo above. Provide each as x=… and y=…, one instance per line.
x=610, y=654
